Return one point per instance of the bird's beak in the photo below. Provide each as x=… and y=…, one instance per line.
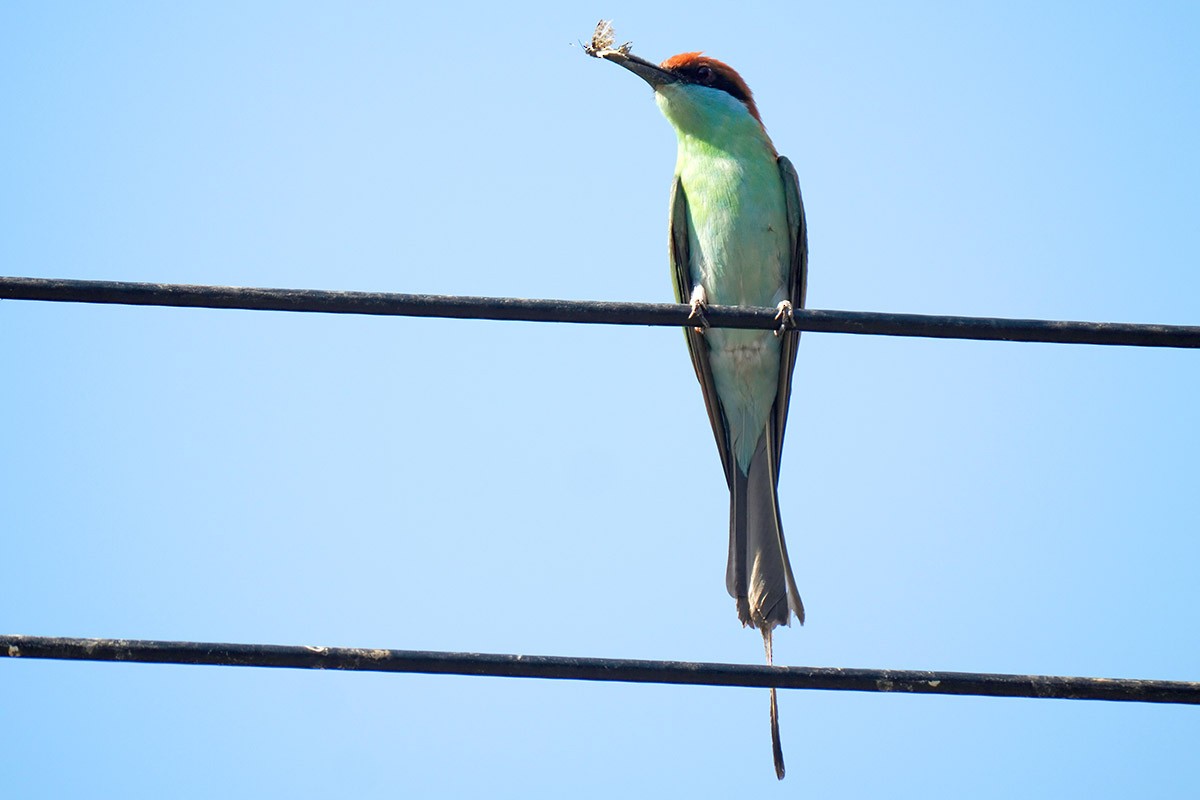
x=648, y=71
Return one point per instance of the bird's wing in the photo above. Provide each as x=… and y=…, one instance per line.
x=697, y=346
x=797, y=289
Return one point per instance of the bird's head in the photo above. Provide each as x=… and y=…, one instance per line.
x=698, y=94
x=689, y=73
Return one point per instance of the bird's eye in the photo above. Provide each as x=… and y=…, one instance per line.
x=705, y=74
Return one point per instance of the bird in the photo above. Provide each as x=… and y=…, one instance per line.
x=738, y=237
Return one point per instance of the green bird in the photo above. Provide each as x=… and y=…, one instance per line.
x=738, y=238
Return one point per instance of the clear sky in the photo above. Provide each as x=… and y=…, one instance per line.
x=554, y=489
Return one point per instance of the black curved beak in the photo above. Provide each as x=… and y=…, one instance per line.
x=648, y=71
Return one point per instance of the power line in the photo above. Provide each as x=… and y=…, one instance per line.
x=600, y=669
x=595, y=312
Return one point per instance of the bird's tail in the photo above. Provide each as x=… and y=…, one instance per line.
x=759, y=575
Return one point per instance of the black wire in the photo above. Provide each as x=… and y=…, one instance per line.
x=600, y=669
x=666, y=314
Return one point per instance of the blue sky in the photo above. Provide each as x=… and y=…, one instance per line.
x=554, y=489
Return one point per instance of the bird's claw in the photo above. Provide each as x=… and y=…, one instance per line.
x=785, y=317
x=698, y=301
x=697, y=314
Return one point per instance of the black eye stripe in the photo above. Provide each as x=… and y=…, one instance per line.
x=705, y=75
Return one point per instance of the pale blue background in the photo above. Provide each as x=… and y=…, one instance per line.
x=553, y=489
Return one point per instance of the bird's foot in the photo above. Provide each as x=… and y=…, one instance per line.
x=698, y=302
x=785, y=317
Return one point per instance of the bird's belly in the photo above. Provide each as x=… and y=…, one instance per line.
x=745, y=363
x=745, y=370
x=739, y=254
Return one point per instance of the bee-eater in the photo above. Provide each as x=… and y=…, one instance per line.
x=737, y=237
